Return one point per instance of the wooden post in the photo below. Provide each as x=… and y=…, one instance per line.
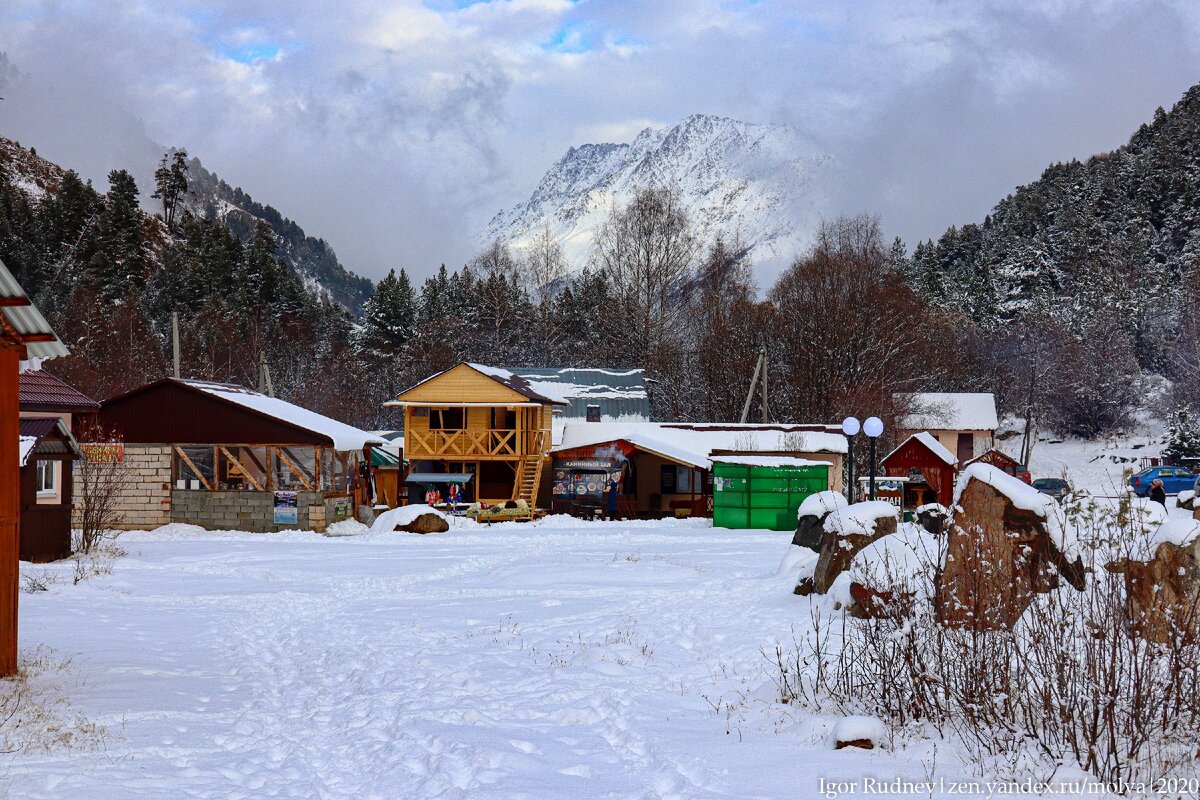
x=10, y=485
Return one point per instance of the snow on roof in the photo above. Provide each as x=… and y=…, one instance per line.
x=768, y=461
x=955, y=411
x=1025, y=497
x=344, y=437
x=620, y=393
x=821, y=503
x=535, y=390
x=25, y=447
x=859, y=518
x=693, y=443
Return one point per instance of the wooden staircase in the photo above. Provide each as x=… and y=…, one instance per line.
x=527, y=481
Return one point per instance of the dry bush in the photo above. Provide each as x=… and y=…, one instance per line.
x=35, y=710
x=99, y=485
x=1067, y=685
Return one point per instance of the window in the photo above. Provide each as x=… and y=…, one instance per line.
x=45, y=477
x=678, y=480
x=446, y=419
x=504, y=419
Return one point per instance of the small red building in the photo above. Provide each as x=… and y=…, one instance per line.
x=1003, y=462
x=927, y=467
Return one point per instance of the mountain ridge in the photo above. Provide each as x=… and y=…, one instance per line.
x=752, y=182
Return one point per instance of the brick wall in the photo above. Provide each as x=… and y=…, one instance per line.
x=145, y=503
x=245, y=511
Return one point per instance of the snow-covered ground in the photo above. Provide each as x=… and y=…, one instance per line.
x=518, y=661
x=1096, y=465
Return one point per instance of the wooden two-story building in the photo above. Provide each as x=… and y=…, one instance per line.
x=484, y=429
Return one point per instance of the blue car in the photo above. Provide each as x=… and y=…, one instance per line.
x=1175, y=480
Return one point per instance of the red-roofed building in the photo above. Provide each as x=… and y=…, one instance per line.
x=51, y=412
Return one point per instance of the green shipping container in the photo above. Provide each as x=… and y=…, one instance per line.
x=761, y=496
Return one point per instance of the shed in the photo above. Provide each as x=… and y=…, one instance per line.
x=24, y=335
x=47, y=448
x=929, y=467
x=1003, y=462
x=759, y=490
x=224, y=456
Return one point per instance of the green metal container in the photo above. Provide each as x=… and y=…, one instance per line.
x=766, y=497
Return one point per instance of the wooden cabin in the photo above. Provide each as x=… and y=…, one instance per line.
x=926, y=469
x=24, y=335
x=483, y=428
x=1003, y=462
x=225, y=457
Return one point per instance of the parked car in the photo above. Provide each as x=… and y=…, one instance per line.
x=1175, y=480
x=1055, y=487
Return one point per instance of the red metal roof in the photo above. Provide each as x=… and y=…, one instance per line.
x=41, y=391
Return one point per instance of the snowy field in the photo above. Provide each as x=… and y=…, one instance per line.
x=605, y=660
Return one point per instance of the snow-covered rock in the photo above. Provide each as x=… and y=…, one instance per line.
x=757, y=184
x=417, y=518
x=894, y=568
x=847, y=531
x=858, y=731
x=810, y=518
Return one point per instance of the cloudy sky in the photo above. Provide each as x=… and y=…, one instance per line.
x=396, y=128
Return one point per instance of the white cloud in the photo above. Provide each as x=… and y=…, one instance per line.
x=395, y=128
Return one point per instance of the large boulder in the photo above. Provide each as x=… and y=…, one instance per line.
x=892, y=573
x=1162, y=584
x=412, y=519
x=810, y=518
x=1006, y=544
x=1186, y=500
x=846, y=531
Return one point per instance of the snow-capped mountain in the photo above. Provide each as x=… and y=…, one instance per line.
x=759, y=184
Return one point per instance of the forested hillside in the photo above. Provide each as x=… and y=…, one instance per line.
x=1096, y=247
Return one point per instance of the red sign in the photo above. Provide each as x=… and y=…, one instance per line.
x=104, y=452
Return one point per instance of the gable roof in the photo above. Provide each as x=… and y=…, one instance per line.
x=48, y=435
x=618, y=392
x=955, y=411
x=21, y=318
x=41, y=391
x=530, y=389
x=931, y=444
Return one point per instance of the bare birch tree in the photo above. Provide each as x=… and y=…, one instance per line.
x=648, y=251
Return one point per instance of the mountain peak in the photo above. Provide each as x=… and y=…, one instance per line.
x=757, y=183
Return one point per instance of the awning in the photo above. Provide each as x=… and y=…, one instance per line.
x=439, y=477
x=382, y=458
x=47, y=436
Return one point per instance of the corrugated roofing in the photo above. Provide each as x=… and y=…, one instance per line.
x=620, y=393
x=344, y=437
x=26, y=320
x=41, y=391
x=34, y=433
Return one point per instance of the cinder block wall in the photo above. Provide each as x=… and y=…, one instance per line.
x=146, y=502
x=244, y=511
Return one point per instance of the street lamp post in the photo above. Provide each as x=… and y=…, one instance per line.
x=873, y=427
x=850, y=427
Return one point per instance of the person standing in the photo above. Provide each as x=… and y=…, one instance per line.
x=1158, y=492
x=610, y=497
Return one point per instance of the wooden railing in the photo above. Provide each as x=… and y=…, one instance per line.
x=441, y=444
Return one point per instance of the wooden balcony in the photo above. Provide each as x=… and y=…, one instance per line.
x=500, y=444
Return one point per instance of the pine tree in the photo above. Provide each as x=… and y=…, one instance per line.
x=1183, y=437
x=171, y=184
x=119, y=263
x=389, y=317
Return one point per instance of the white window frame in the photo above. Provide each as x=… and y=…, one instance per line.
x=46, y=467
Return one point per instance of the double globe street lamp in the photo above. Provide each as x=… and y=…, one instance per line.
x=873, y=428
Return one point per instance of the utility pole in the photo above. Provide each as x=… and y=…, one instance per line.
x=264, y=376
x=175, y=341
x=760, y=371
